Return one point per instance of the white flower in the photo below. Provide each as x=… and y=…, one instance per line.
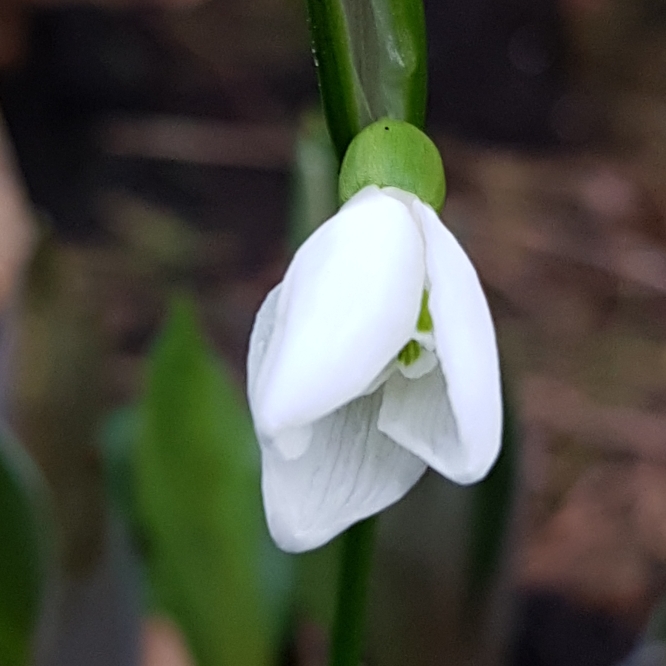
x=372, y=360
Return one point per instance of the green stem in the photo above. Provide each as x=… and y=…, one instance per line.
x=492, y=505
x=356, y=564
x=335, y=71
x=371, y=58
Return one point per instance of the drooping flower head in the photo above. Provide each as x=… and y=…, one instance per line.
x=375, y=357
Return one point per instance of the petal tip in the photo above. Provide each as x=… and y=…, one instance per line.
x=291, y=539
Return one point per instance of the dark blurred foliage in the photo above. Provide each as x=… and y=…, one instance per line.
x=554, y=632
x=496, y=74
x=85, y=65
x=497, y=69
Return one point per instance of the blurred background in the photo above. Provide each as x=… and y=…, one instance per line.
x=159, y=162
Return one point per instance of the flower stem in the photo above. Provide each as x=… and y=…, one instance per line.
x=355, y=567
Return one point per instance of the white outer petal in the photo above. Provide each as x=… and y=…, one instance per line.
x=292, y=442
x=349, y=472
x=264, y=323
x=466, y=348
x=348, y=304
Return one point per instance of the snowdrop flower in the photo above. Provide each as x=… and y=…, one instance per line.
x=374, y=359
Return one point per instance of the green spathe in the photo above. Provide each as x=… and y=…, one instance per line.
x=393, y=153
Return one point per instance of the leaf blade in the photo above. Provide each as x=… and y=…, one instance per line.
x=371, y=60
x=197, y=488
x=22, y=551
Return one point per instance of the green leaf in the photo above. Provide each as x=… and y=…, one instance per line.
x=118, y=438
x=21, y=551
x=197, y=488
x=656, y=626
x=56, y=395
x=389, y=50
x=371, y=60
x=315, y=179
x=338, y=83
x=492, y=503
x=318, y=572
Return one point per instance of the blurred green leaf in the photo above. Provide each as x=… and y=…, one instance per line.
x=21, y=551
x=338, y=83
x=388, y=42
x=56, y=393
x=118, y=437
x=492, y=503
x=371, y=62
x=315, y=184
x=318, y=572
x=197, y=488
x=277, y=569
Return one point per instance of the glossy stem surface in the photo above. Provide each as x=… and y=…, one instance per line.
x=338, y=85
x=371, y=58
x=355, y=567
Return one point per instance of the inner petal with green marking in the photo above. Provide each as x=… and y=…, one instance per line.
x=409, y=353
x=412, y=350
x=424, y=322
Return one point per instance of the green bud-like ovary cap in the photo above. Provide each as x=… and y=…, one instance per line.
x=393, y=153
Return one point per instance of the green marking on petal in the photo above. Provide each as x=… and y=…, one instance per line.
x=424, y=322
x=412, y=350
x=409, y=353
